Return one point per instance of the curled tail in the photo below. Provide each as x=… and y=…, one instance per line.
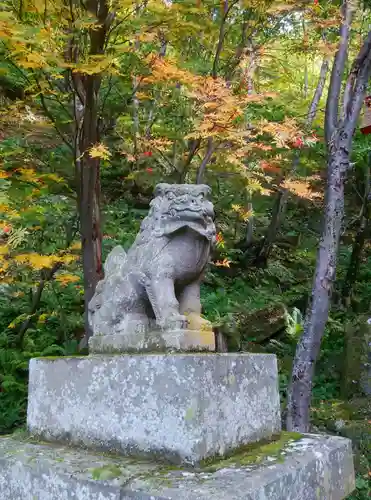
x=115, y=261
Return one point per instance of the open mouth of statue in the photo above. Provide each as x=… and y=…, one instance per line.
x=187, y=215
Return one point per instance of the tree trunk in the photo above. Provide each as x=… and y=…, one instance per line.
x=90, y=220
x=250, y=227
x=318, y=92
x=220, y=341
x=317, y=314
x=89, y=168
x=359, y=240
x=209, y=153
x=355, y=261
x=251, y=70
x=342, y=113
x=305, y=42
x=273, y=228
x=219, y=47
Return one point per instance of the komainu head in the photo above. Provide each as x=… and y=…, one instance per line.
x=177, y=206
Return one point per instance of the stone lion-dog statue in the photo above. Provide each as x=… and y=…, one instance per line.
x=157, y=283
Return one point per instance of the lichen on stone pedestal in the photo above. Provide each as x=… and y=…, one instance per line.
x=308, y=467
x=181, y=407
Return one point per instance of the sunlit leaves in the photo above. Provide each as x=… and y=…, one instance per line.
x=65, y=278
x=243, y=213
x=99, y=151
x=38, y=262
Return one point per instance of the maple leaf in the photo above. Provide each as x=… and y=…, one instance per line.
x=67, y=258
x=76, y=246
x=99, y=151
x=36, y=261
x=4, y=250
x=223, y=263
x=65, y=278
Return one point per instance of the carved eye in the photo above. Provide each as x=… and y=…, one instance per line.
x=170, y=195
x=201, y=196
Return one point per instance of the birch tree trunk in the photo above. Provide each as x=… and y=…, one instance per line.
x=317, y=314
x=339, y=129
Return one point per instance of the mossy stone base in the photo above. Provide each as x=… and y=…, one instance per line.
x=179, y=407
x=311, y=468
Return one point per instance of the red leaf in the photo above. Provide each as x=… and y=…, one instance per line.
x=298, y=142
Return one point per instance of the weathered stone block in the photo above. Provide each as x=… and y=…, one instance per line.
x=311, y=468
x=153, y=341
x=182, y=407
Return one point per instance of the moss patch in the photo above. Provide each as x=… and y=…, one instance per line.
x=54, y=358
x=254, y=453
x=105, y=473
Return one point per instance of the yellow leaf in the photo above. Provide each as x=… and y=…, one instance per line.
x=236, y=208
x=68, y=258
x=53, y=177
x=99, y=151
x=223, y=263
x=76, y=246
x=65, y=279
x=37, y=261
x=4, y=266
x=4, y=249
x=42, y=318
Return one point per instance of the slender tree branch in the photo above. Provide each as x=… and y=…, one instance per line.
x=209, y=153
x=46, y=275
x=52, y=119
x=353, y=108
x=332, y=106
x=358, y=64
x=318, y=92
x=193, y=148
x=222, y=32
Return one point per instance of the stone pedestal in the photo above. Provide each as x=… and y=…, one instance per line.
x=310, y=468
x=181, y=407
x=153, y=341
